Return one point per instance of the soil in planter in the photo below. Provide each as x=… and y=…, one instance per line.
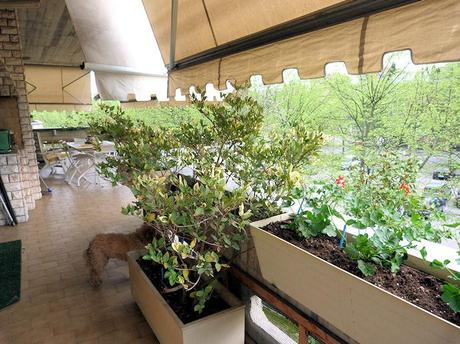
x=410, y=284
x=182, y=306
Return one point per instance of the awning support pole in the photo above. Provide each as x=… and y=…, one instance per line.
x=172, y=41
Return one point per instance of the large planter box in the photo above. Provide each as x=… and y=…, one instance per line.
x=226, y=327
x=359, y=309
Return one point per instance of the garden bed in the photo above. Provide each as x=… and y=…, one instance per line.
x=181, y=304
x=410, y=284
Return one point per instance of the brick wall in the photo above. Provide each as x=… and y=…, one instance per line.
x=19, y=171
x=9, y=166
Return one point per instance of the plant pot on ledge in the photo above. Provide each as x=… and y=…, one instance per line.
x=224, y=327
x=363, y=311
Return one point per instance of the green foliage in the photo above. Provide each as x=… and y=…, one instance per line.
x=391, y=110
x=276, y=165
x=294, y=103
x=451, y=296
x=195, y=218
x=381, y=196
x=283, y=323
x=450, y=292
x=141, y=149
x=363, y=105
x=383, y=248
x=375, y=195
x=161, y=116
x=318, y=206
x=60, y=119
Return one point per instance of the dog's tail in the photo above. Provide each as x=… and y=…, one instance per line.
x=94, y=262
x=87, y=253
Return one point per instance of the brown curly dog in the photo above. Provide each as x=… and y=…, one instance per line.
x=113, y=245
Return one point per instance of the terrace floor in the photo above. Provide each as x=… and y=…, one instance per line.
x=57, y=304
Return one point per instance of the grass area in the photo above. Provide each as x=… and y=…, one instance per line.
x=161, y=116
x=58, y=119
x=283, y=323
x=286, y=325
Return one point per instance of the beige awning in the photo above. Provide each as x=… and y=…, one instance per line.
x=429, y=28
x=228, y=20
x=51, y=87
x=117, y=33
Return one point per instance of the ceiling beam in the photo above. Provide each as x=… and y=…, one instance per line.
x=340, y=14
x=19, y=3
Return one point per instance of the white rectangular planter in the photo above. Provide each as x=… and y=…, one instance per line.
x=225, y=327
x=358, y=308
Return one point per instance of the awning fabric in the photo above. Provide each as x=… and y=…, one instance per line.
x=429, y=28
x=228, y=20
x=47, y=85
x=117, y=33
x=122, y=86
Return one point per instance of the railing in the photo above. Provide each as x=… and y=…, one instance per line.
x=307, y=326
x=54, y=135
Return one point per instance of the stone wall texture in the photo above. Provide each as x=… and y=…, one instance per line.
x=19, y=171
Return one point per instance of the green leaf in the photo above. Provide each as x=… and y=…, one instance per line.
x=365, y=268
x=199, y=211
x=350, y=222
x=451, y=296
x=423, y=252
x=351, y=251
x=437, y=264
x=452, y=225
x=395, y=265
x=330, y=231
x=455, y=275
x=198, y=308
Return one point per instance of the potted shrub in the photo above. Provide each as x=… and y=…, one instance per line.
x=178, y=293
x=197, y=218
x=346, y=282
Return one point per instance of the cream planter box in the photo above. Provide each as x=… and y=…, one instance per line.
x=363, y=311
x=225, y=327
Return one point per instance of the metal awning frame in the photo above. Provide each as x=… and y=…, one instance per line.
x=349, y=11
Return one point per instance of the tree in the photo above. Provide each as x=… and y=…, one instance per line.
x=297, y=102
x=363, y=105
x=426, y=114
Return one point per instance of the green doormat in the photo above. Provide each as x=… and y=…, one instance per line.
x=10, y=272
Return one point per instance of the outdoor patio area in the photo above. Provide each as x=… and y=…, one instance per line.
x=230, y=172
x=57, y=304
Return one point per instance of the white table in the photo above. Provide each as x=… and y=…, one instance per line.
x=83, y=158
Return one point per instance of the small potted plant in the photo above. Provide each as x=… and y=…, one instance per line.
x=174, y=281
x=345, y=279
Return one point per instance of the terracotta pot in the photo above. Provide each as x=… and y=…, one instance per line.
x=363, y=311
x=226, y=327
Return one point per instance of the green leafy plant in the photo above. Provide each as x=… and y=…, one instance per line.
x=383, y=248
x=382, y=196
x=376, y=195
x=316, y=210
x=196, y=218
x=276, y=165
x=450, y=292
x=141, y=149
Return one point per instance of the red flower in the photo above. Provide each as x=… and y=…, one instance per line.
x=405, y=187
x=340, y=181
